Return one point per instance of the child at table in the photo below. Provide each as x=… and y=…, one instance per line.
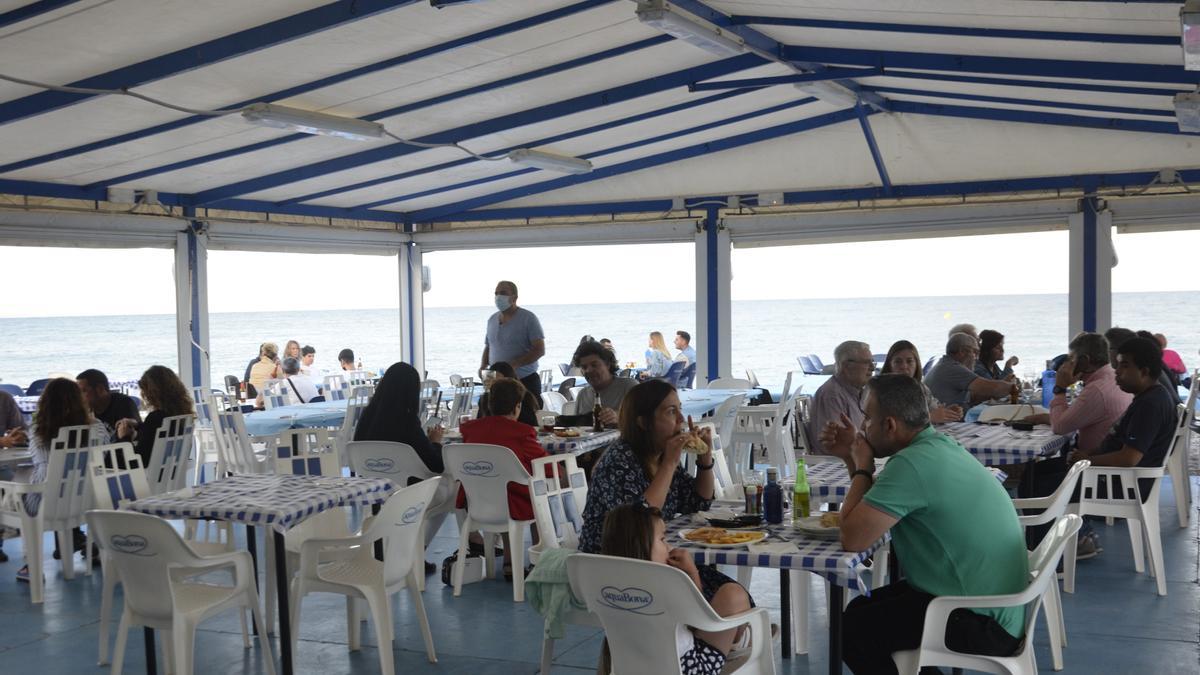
x=638, y=531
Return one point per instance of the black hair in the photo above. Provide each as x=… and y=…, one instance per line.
x=1145, y=353
x=94, y=378
x=590, y=347
x=346, y=355
x=306, y=350
x=687, y=337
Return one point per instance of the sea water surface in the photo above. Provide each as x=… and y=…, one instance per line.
x=767, y=334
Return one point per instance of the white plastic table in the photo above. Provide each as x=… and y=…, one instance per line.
x=275, y=501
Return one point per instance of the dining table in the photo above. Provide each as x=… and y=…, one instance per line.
x=276, y=502
x=16, y=456
x=586, y=441
x=996, y=444
x=299, y=416
x=824, y=557
x=698, y=402
x=829, y=482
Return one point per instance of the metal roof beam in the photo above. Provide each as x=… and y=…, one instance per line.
x=1036, y=84
x=997, y=65
x=966, y=31
x=869, y=135
x=306, y=87
x=768, y=47
x=1120, y=110
x=754, y=82
x=33, y=9
x=621, y=93
x=261, y=37
x=601, y=153
x=698, y=150
x=1038, y=117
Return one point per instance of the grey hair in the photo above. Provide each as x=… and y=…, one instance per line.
x=847, y=350
x=968, y=328
x=960, y=341
x=1091, y=345
x=291, y=365
x=900, y=397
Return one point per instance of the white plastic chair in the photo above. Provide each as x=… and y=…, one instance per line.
x=204, y=438
x=360, y=397
x=358, y=575
x=933, y=650
x=275, y=396
x=431, y=399
x=233, y=443
x=1008, y=412
x=485, y=472
x=569, y=407
x=728, y=383
x=167, y=469
x=335, y=388
x=547, y=376
x=643, y=604
x=154, y=565
x=1054, y=507
x=461, y=402
x=117, y=478
x=55, y=505
x=725, y=486
x=553, y=401
x=1177, y=461
x=400, y=464
x=767, y=425
x=724, y=419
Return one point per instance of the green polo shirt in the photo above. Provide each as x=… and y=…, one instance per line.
x=958, y=532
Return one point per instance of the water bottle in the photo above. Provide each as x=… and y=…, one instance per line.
x=1047, y=386
x=800, y=494
x=773, y=497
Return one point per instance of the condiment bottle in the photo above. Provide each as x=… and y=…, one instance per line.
x=773, y=497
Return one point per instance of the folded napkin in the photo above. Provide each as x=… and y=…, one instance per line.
x=718, y=514
x=773, y=547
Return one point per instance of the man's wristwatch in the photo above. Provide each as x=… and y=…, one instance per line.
x=1059, y=390
x=863, y=472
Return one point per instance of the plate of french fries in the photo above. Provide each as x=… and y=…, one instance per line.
x=719, y=537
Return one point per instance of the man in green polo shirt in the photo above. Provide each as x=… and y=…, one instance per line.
x=954, y=531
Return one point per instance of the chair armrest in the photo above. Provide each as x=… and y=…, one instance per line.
x=1032, y=502
x=1126, y=471
x=11, y=491
x=239, y=560
x=937, y=614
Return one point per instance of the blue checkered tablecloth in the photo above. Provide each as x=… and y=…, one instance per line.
x=302, y=416
x=588, y=440
x=825, y=557
x=27, y=404
x=277, y=501
x=828, y=482
x=998, y=444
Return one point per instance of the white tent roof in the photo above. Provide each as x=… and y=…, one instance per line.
x=975, y=93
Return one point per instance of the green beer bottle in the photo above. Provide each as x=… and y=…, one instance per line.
x=800, y=504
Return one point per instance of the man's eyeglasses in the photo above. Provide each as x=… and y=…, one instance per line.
x=861, y=362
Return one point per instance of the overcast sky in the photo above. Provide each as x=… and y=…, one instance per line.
x=82, y=282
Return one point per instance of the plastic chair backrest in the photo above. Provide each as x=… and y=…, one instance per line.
x=564, y=368
x=688, y=377
x=360, y=397
x=553, y=401
x=68, y=488
x=816, y=361
x=142, y=549
x=485, y=472
x=12, y=389
x=640, y=604
x=1043, y=563
x=456, y=380
x=274, y=396
x=674, y=371
x=752, y=377
x=398, y=524
x=564, y=388
x=460, y=402
x=335, y=388
x=787, y=389
x=728, y=383
x=431, y=399
x=547, y=377
x=35, y=388
x=397, y=462
x=232, y=383
x=1057, y=503
x=168, y=464
x=724, y=418
x=360, y=377
x=233, y=443
x=202, y=399
x=558, y=500
x=569, y=407
x=117, y=475
x=723, y=480
x=306, y=452
x=807, y=365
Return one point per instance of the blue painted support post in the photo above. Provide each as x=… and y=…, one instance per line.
x=412, y=306
x=1091, y=263
x=713, y=321
x=191, y=303
x=862, y=113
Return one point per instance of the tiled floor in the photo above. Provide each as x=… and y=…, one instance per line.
x=1115, y=621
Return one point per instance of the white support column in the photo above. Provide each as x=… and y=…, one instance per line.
x=191, y=307
x=1090, y=268
x=713, y=320
x=412, y=307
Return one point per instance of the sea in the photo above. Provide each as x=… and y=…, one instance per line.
x=768, y=335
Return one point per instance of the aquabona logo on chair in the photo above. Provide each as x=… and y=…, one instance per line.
x=412, y=514
x=381, y=465
x=133, y=544
x=481, y=467
x=631, y=599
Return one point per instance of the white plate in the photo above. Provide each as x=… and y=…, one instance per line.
x=812, y=527
x=683, y=535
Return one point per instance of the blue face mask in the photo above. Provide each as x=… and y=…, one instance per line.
x=503, y=302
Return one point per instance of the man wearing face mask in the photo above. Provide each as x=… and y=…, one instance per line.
x=514, y=336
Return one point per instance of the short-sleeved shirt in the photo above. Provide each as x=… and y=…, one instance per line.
x=610, y=397
x=950, y=382
x=687, y=353
x=513, y=338
x=957, y=532
x=830, y=401
x=1148, y=425
x=620, y=479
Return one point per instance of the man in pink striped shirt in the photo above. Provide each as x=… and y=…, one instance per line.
x=1100, y=403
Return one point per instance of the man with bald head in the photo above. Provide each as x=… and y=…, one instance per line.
x=953, y=381
x=514, y=336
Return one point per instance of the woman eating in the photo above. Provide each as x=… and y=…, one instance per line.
x=165, y=396
x=904, y=359
x=991, y=351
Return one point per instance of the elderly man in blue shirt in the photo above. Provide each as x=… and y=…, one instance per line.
x=514, y=336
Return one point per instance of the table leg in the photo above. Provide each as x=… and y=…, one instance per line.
x=785, y=611
x=151, y=656
x=835, y=629
x=252, y=547
x=282, y=593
